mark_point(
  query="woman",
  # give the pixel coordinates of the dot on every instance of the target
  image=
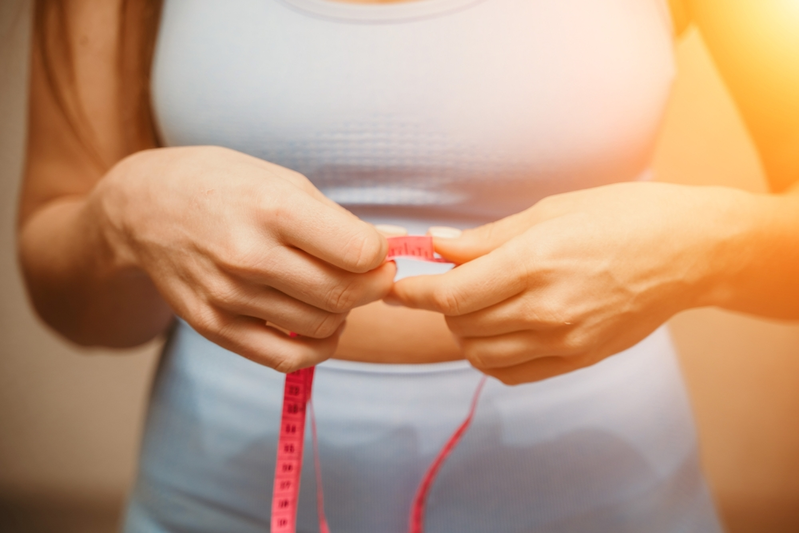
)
(513, 120)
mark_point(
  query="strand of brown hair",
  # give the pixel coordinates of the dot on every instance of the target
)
(137, 32)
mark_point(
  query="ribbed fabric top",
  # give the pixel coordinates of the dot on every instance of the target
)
(461, 111)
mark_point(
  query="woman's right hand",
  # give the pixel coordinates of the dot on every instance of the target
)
(232, 243)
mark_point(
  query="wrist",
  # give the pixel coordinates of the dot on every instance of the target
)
(108, 208)
(741, 228)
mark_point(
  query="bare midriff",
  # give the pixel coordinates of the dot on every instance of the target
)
(379, 333)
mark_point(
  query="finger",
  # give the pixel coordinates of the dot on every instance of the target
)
(307, 219)
(464, 289)
(540, 369)
(463, 246)
(337, 292)
(317, 283)
(518, 313)
(251, 338)
(512, 349)
(469, 244)
(336, 237)
(275, 307)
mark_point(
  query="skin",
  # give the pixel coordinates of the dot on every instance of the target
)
(242, 250)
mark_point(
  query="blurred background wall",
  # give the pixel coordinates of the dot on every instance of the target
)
(70, 418)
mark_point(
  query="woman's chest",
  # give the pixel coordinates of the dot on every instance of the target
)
(408, 105)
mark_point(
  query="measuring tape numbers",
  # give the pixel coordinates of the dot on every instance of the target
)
(296, 394)
(297, 402)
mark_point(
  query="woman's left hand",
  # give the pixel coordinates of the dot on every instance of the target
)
(577, 277)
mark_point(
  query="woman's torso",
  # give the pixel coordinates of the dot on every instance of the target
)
(453, 112)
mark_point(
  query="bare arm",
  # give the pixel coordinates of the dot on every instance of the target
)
(73, 278)
(230, 243)
(756, 48)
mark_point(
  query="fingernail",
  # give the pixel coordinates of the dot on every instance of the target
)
(443, 232)
(391, 231)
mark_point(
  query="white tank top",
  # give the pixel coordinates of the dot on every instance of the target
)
(433, 111)
(462, 111)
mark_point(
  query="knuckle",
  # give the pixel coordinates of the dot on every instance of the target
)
(278, 207)
(295, 176)
(546, 203)
(363, 252)
(552, 314)
(327, 325)
(302, 355)
(220, 292)
(288, 357)
(342, 297)
(475, 356)
(285, 362)
(530, 311)
(447, 300)
(521, 267)
(298, 180)
(576, 340)
(235, 254)
(283, 213)
(242, 257)
(548, 207)
(265, 264)
(206, 322)
(226, 333)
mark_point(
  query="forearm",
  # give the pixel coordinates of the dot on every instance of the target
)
(77, 284)
(757, 263)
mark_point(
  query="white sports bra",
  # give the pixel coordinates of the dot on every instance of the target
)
(461, 111)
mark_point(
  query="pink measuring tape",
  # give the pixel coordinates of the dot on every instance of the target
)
(297, 402)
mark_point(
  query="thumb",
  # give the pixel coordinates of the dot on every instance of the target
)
(464, 246)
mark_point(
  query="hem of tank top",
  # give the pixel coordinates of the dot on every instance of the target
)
(393, 368)
(408, 11)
